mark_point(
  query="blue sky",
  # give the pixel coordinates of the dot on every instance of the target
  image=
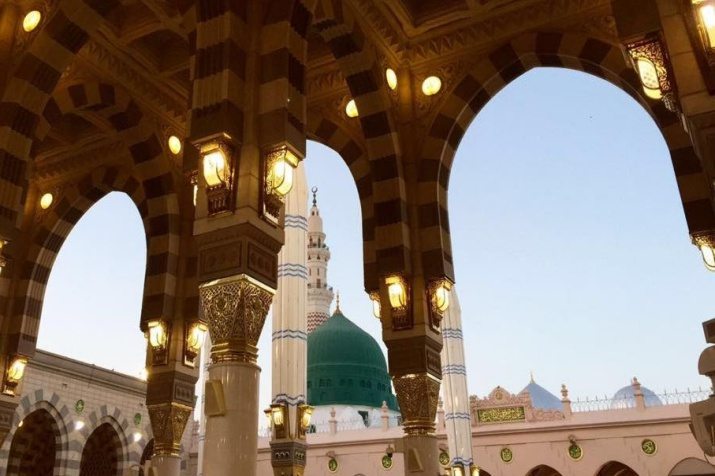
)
(571, 251)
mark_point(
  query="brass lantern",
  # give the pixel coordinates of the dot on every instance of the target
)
(304, 415)
(375, 298)
(706, 244)
(398, 298)
(650, 61)
(216, 168)
(14, 373)
(280, 164)
(158, 337)
(439, 295)
(195, 338)
(278, 415)
(705, 17)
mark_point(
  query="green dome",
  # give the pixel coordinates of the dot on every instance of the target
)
(346, 366)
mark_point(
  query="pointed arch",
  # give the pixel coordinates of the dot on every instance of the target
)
(615, 468)
(461, 104)
(543, 470)
(330, 133)
(52, 415)
(153, 185)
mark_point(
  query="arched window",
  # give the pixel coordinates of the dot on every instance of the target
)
(35, 445)
(102, 453)
(94, 293)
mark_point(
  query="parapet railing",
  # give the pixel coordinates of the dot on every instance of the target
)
(673, 397)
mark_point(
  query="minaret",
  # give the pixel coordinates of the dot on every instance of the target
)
(456, 394)
(289, 305)
(320, 295)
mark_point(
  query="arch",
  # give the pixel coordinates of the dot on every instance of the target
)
(47, 239)
(352, 150)
(146, 456)
(112, 417)
(474, 89)
(51, 415)
(543, 470)
(337, 26)
(615, 468)
(151, 166)
(692, 467)
(102, 453)
(153, 185)
(51, 50)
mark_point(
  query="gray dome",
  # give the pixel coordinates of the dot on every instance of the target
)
(626, 398)
(542, 398)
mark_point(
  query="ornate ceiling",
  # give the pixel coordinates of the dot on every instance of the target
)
(144, 48)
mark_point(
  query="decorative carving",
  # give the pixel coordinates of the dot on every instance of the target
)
(168, 421)
(236, 309)
(500, 406)
(288, 458)
(418, 395)
(501, 414)
(220, 258)
(169, 103)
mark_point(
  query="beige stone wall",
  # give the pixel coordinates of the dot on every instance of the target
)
(56, 383)
(604, 436)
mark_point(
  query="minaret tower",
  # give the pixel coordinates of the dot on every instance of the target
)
(320, 295)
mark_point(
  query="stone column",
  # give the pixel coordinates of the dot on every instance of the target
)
(236, 308)
(290, 338)
(456, 394)
(410, 329)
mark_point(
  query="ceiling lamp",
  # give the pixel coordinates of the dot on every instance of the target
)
(31, 20)
(46, 201)
(391, 78)
(174, 145)
(649, 78)
(351, 109)
(431, 85)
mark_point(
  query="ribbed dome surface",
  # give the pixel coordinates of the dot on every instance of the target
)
(626, 398)
(542, 398)
(346, 366)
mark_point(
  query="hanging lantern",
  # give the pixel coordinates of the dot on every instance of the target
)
(706, 244)
(217, 171)
(397, 291)
(650, 61)
(195, 338)
(31, 21)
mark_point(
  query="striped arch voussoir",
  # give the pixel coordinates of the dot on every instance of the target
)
(52, 404)
(350, 46)
(463, 102)
(352, 151)
(27, 91)
(116, 419)
(49, 234)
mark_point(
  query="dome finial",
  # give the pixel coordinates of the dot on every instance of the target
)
(315, 192)
(532, 376)
(337, 302)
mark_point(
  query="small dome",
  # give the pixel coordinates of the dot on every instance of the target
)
(626, 398)
(346, 366)
(542, 398)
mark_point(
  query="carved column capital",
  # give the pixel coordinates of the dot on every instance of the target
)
(418, 395)
(168, 421)
(235, 308)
